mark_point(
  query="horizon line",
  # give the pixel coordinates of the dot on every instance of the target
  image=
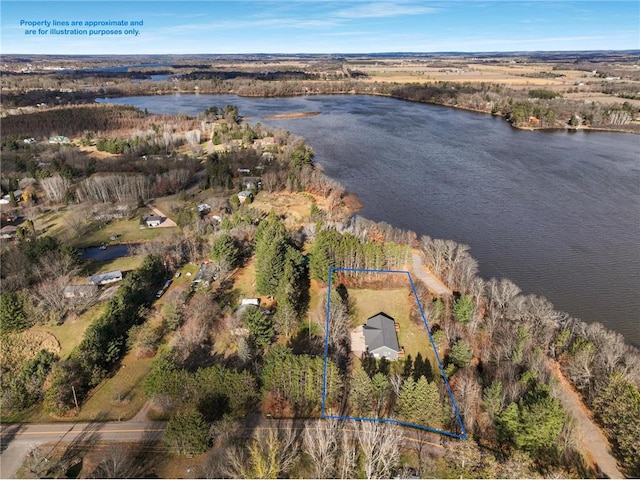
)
(444, 52)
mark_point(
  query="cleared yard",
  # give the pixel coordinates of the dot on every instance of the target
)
(396, 303)
(127, 231)
(70, 333)
(121, 396)
(245, 280)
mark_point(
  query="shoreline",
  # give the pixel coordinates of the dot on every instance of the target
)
(292, 115)
(566, 128)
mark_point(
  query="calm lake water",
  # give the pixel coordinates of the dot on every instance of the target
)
(110, 253)
(558, 213)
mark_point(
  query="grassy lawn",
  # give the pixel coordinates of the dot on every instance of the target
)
(396, 303)
(244, 280)
(124, 264)
(128, 231)
(121, 396)
(70, 333)
(51, 222)
(163, 204)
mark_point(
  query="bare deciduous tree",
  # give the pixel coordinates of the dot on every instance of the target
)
(348, 456)
(117, 462)
(321, 444)
(269, 454)
(55, 188)
(380, 446)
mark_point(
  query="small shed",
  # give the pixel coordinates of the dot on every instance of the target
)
(204, 208)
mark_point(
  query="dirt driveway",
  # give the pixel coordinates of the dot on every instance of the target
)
(167, 221)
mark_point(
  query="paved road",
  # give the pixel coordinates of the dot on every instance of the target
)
(432, 282)
(18, 440)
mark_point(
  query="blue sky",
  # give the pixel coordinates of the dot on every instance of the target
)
(305, 26)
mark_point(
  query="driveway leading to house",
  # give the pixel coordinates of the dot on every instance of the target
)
(167, 221)
(358, 345)
(432, 282)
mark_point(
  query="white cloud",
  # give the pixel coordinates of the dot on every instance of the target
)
(383, 10)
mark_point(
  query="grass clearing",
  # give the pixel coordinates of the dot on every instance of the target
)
(396, 303)
(245, 280)
(127, 230)
(121, 396)
(297, 205)
(70, 333)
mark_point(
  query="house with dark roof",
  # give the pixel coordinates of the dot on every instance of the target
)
(206, 274)
(380, 337)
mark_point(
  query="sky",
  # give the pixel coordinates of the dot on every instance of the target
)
(306, 26)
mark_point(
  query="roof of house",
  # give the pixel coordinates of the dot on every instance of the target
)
(380, 331)
(106, 277)
(244, 194)
(153, 218)
(205, 273)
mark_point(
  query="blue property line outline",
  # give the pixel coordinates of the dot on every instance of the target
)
(463, 436)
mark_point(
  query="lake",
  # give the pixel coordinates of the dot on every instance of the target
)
(558, 213)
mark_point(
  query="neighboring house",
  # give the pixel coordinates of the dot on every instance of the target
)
(205, 276)
(204, 208)
(380, 337)
(263, 142)
(244, 195)
(29, 140)
(251, 183)
(59, 139)
(10, 231)
(106, 278)
(267, 157)
(16, 194)
(107, 212)
(153, 220)
(79, 291)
